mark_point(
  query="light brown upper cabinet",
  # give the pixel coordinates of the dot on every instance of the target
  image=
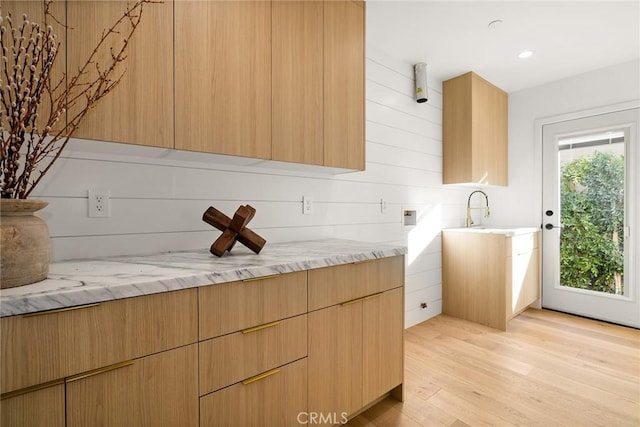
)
(34, 10)
(474, 132)
(223, 77)
(140, 109)
(297, 81)
(344, 97)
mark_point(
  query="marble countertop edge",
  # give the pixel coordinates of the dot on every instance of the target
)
(81, 282)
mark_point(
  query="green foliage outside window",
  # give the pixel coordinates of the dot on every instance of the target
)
(592, 207)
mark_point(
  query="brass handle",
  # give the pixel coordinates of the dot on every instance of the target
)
(100, 370)
(374, 295)
(261, 376)
(260, 327)
(253, 279)
(60, 310)
(31, 389)
(353, 301)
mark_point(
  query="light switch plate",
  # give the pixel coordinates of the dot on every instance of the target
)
(307, 205)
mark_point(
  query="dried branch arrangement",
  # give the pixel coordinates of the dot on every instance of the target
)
(39, 111)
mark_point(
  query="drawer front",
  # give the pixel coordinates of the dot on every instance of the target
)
(231, 358)
(40, 408)
(48, 346)
(231, 307)
(333, 285)
(276, 399)
(160, 390)
(522, 243)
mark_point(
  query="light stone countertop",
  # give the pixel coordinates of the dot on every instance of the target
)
(507, 231)
(86, 281)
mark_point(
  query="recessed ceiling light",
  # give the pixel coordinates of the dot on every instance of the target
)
(494, 24)
(525, 54)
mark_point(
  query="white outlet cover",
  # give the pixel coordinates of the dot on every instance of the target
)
(99, 203)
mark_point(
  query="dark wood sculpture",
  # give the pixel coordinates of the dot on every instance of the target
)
(233, 230)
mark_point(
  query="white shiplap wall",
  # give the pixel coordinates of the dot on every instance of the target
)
(158, 196)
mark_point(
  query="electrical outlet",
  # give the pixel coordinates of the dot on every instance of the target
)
(307, 205)
(99, 203)
(384, 206)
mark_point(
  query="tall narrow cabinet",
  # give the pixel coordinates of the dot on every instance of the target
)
(344, 81)
(297, 134)
(223, 77)
(474, 132)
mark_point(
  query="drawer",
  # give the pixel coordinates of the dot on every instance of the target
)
(334, 285)
(231, 358)
(274, 398)
(231, 307)
(51, 345)
(522, 243)
(39, 408)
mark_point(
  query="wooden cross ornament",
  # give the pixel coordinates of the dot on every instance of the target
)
(233, 230)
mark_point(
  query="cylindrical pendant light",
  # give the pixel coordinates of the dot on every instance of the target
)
(420, 70)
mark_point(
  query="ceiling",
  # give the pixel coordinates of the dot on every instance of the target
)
(453, 37)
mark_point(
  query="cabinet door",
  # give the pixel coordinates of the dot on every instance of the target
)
(158, 390)
(223, 77)
(489, 133)
(524, 285)
(35, 13)
(335, 359)
(382, 341)
(344, 84)
(140, 109)
(297, 81)
(44, 407)
(274, 398)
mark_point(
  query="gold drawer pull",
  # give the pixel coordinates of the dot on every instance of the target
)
(260, 327)
(253, 279)
(60, 310)
(30, 389)
(100, 370)
(353, 301)
(261, 376)
(374, 295)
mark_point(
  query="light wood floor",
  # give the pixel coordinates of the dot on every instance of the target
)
(548, 369)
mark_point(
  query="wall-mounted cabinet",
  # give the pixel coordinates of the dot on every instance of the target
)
(297, 82)
(223, 77)
(474, 132)
(344, 144)
(275, 80)
(140, 108)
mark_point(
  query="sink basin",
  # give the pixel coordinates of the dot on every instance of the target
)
(507, 231)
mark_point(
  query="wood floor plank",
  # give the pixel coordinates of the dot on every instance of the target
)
(548, 369)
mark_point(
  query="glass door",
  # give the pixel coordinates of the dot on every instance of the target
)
(590, 217)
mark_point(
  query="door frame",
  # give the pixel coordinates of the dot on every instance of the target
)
(538, 166)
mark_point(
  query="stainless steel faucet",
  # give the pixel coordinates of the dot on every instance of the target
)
(486, 208)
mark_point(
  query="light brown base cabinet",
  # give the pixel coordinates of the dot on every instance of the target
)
(356, 342)
(246, 353)
(489, 278)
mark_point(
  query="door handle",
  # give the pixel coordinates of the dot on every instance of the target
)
(551, 226)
